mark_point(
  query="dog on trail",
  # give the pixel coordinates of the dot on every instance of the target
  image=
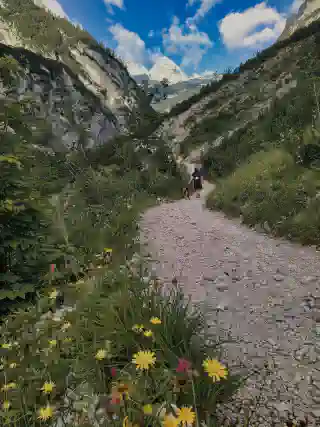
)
(186, 193)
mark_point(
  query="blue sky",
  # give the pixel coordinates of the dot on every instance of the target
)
(198, 35)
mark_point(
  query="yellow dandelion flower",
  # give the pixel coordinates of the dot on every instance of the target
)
(108, 250)
(186, 416)
(148, 333)
(9, 386)
(138, 328)
(6, 346)
(155, 321)
(48, 387)
(6, 405)
(53, 294)
(215, 369)
(66, 340)
(53, 343)
(45, 413)
(147, 409)
(144, 359)
(170, 421)
(66, 326)
(101, 354)
(13, 365)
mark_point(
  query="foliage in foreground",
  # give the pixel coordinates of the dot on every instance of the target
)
(271, 190)
(126, 355)
(63, 208)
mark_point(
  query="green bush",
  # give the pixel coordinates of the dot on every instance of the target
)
(82, 366)
(271, 188)
(55, 207)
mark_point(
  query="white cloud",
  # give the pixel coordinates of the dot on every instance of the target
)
(151, 33)
(116, 3)
(204, 8)
(296, 6)
(131, 48)
(238, 29)
(53, 5)
(186, 40)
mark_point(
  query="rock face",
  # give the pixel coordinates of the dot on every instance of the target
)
(308, 12)
(62, 100)
(75, 80)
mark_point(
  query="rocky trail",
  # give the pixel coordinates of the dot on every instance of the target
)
(264, 291)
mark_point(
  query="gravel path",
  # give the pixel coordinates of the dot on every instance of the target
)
(265, 291)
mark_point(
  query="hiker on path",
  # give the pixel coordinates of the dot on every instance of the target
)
(197, 182)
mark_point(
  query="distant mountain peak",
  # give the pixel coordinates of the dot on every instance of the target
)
(165, 68)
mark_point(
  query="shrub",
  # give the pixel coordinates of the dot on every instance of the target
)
(271, 188)
(82, 366)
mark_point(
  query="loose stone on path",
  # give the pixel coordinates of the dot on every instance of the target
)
(265, 292)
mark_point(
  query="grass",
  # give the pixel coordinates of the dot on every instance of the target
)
(87, 356)
(270, 188)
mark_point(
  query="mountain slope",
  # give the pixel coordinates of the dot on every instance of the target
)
(308, 12)
(257, 133)
(23, 24)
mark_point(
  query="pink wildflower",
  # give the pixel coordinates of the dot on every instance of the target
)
(113, 372)
(183, 365)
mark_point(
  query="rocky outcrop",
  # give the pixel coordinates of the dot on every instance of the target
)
(308, 12)
(70, 104)
(74, 79)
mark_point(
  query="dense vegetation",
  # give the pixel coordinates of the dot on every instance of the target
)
(270, 169)
(121, 352)
(42, 30)
(57, 207)
(127, 355)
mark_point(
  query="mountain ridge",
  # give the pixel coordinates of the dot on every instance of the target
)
(94, 65)
(308, 12)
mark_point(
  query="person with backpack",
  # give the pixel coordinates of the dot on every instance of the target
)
(197, 182)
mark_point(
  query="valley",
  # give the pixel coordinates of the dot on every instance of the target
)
(99, 252)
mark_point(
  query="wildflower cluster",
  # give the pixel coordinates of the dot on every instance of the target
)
(126, 357)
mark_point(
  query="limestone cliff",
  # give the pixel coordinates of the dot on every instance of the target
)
(82, 80)
(308, 12)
